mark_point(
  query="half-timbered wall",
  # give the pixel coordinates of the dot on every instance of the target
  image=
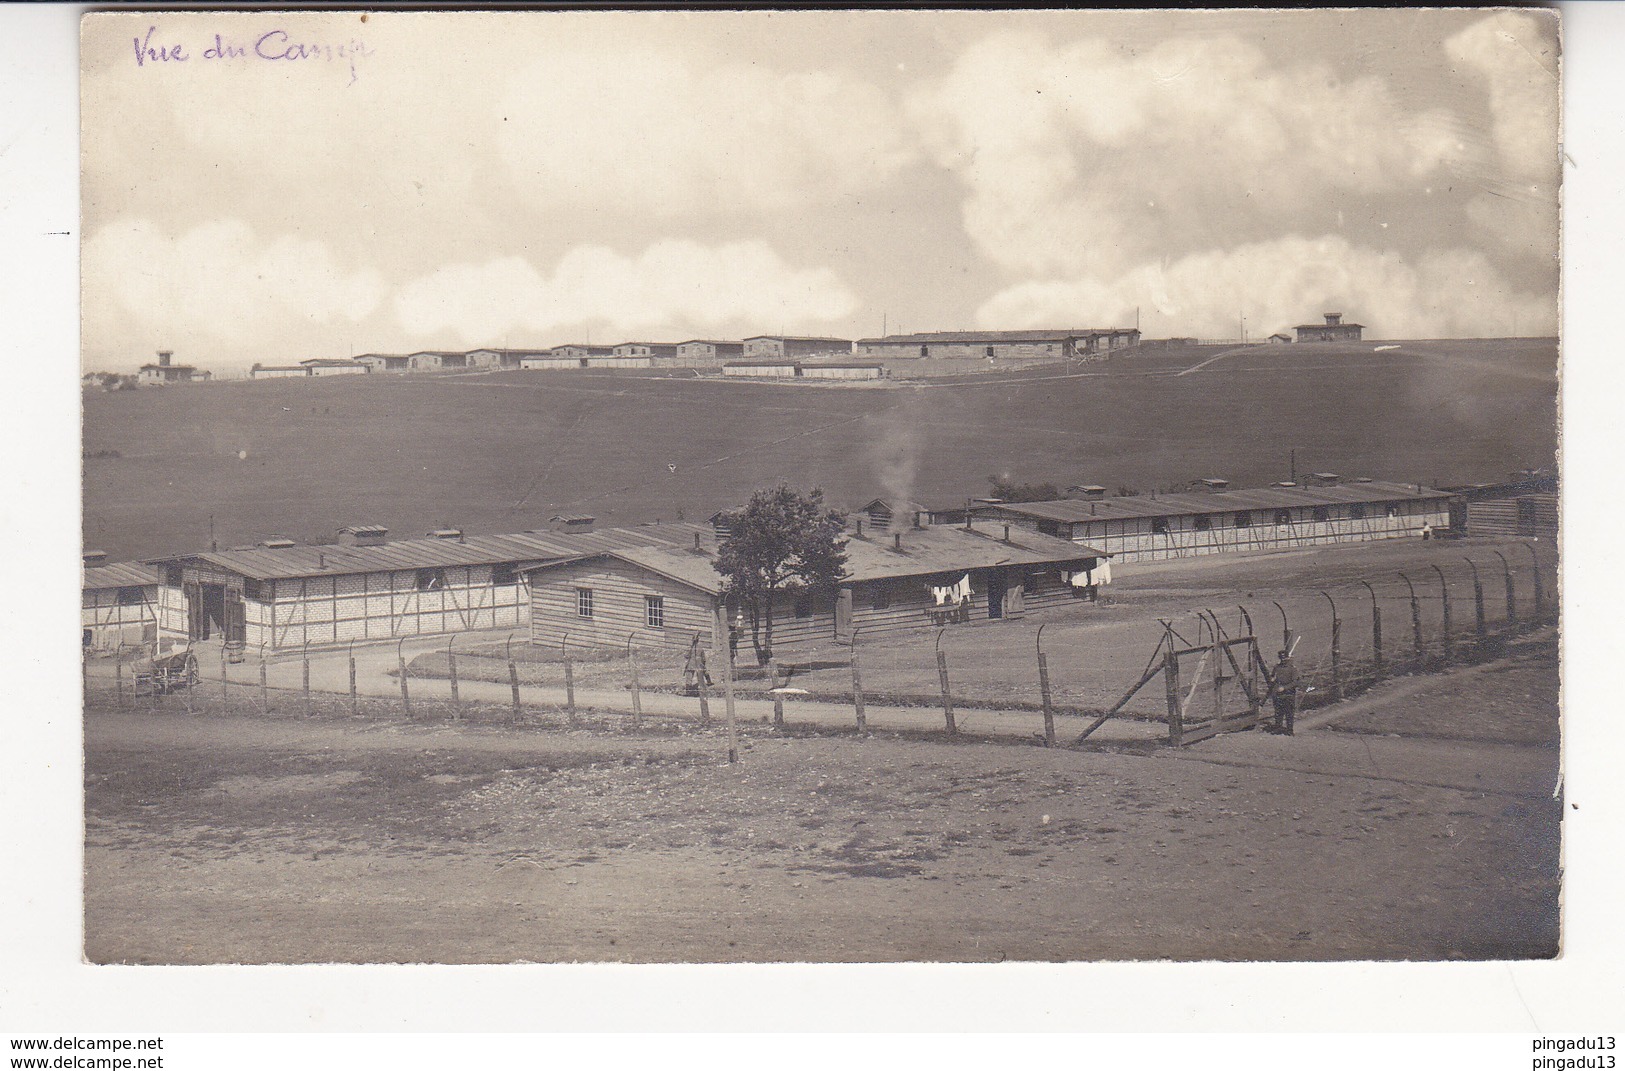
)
(120, 617)
(358, 607)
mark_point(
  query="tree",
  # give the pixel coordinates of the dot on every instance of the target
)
(1007, 490)
(782, 541)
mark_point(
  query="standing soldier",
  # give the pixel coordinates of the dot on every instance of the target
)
(1284, 685)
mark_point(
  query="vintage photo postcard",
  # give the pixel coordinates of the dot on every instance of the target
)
(832, 486)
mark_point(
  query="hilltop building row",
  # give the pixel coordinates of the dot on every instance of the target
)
(769, 356)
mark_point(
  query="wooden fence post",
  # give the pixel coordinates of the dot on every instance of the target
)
(1337, 648)
(406, 692)
(637, 691)
(355, 695)
(118, 682)
(1416, 619)
(225, 697)
(702, 680)
(947, 696)
(857, 691)
(570, 691)
(1044, 696)
(1512, 601)
(265, 693)
(1176, 718)
(513, 679)
(1376, 630)
(778, 696)
(1043, 689)
(1480, 628)
(306, 677)
(1540, 594)
(451, 671)
(728, 706)
(1444, 596)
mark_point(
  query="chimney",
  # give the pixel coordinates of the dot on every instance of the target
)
(447, 533)
(163, 358)
(277, 544)
(571, 525)
(967, 514)
(859, 530)
(897, 542)
(1007, 533)
(1214, 484)
(919, 521)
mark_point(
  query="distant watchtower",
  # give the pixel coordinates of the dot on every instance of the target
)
(1333, 330)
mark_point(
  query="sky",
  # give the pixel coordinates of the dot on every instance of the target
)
(315, 185)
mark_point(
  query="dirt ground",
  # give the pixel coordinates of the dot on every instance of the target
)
(248, 839)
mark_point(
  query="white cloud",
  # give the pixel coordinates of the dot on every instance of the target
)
(1516, 56)
(675, 286)
(1287, 281)
(676, 133)
(1087, 155)
(219, 281)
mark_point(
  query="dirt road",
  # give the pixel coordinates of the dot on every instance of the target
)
(247, 839)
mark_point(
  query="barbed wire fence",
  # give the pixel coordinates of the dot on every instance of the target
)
(1071, 670)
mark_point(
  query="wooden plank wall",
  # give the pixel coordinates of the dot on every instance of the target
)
(1131, 539)
(618, 607)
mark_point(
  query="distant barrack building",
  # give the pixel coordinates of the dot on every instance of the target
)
(386, 362)
(166, 371)
(708, 351)
(1333, 330)
(1322, 509)
(774, 346)
(1054, 345)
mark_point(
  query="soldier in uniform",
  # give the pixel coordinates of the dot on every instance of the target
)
(1284, 684)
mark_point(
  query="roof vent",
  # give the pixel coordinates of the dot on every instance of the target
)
(1326, 479)
(95, 557)
(1213, 483)
(1087, 490)
(1284, 483)
(277, 544)
(363, 535)
(447, 533)
(571, 525)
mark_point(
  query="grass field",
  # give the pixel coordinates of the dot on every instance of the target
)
(504, 452)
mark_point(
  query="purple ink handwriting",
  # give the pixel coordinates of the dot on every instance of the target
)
(271, 46)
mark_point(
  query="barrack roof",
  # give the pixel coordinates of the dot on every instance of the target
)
(263, 563)
(118, 575)
(931, 551)
(1205, 502)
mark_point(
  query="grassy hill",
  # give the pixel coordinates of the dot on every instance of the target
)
(503, 452)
